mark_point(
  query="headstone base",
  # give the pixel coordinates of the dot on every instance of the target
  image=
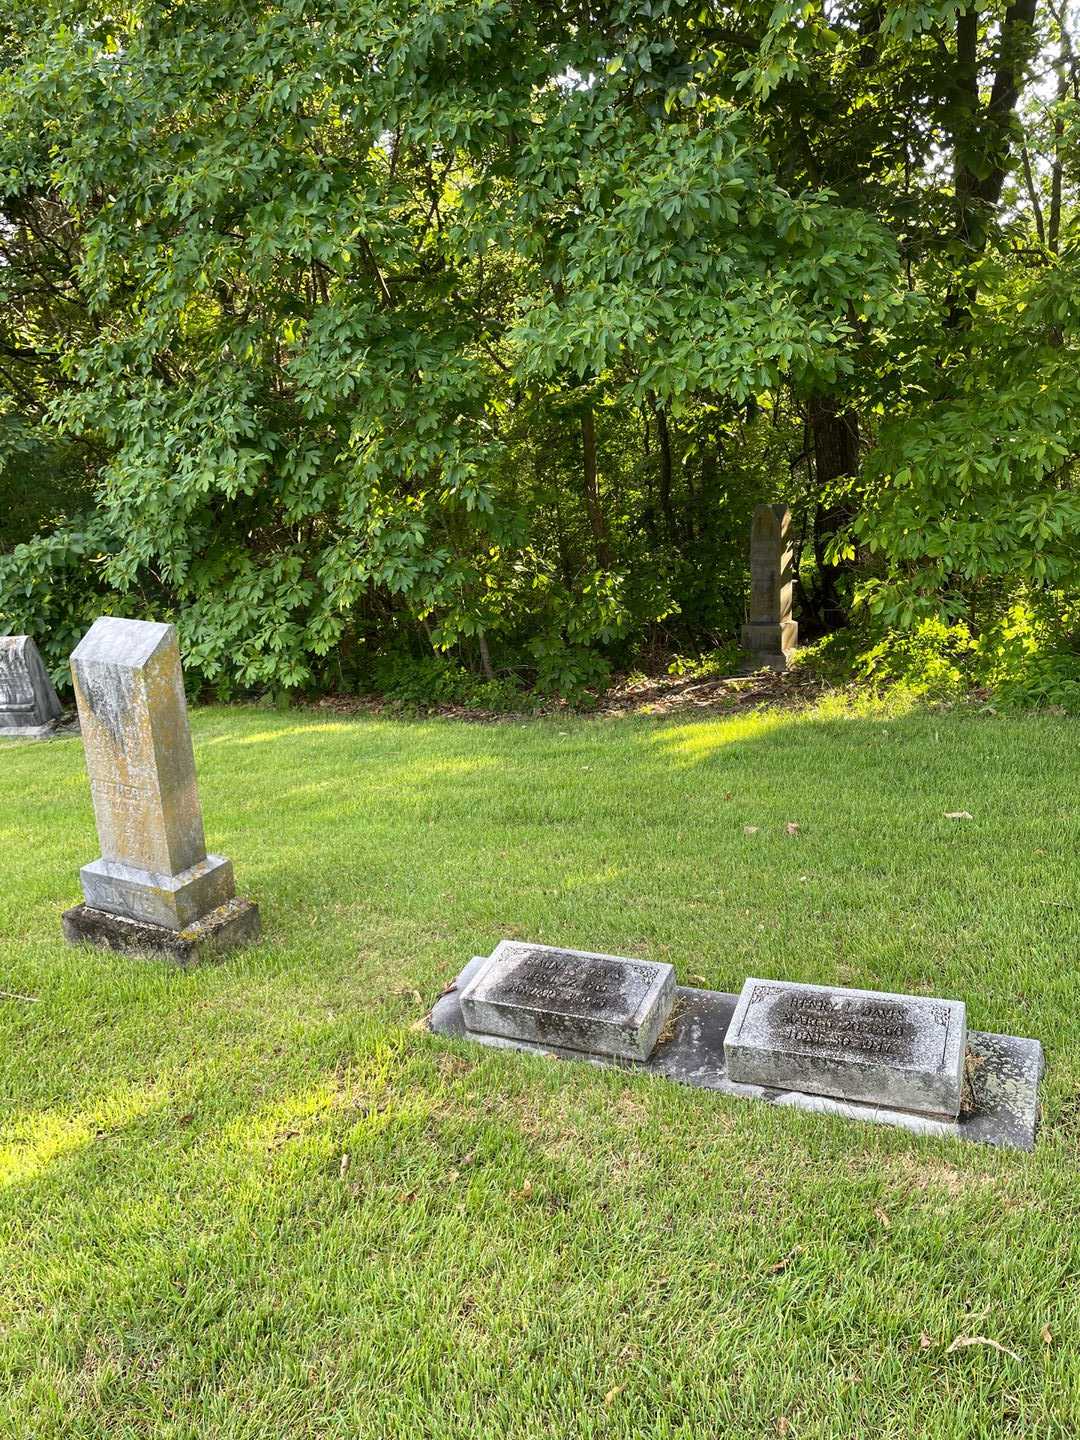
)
(231, 925)
(770, 643)
(174, 901)
(27, 732)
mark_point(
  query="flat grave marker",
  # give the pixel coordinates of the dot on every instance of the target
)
(887, 1059)
(900, 1051)
(574, 999)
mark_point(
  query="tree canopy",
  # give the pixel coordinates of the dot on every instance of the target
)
(348, 330)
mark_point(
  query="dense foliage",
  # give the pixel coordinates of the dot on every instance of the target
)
(349, 331)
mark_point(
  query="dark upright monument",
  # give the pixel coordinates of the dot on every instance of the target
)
(770, 634)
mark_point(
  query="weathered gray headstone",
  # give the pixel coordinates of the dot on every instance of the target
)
(770, 633)
(154, 871)
(603, 1004)
(899, 1051)
(29, 706)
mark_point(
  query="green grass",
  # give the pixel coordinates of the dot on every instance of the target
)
(518, 1247)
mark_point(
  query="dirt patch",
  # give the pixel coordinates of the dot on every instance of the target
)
(642, 695)
(926, 1174)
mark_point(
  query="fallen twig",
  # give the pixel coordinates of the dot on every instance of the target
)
(963, 1341)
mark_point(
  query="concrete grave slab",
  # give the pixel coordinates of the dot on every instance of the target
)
(1002, 1106)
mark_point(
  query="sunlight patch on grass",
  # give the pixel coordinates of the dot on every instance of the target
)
(263, 737)
(33, 1142)
(692, 743)
(591, 880)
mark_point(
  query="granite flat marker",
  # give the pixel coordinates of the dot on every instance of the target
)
(1000, 1100)
(899, 1051)
(577, 999)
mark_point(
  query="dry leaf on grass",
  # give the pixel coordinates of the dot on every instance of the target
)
(962, 1342)
(924, 1341)
(783, 1426)
(792, 827)
(959, 815)
(782, 1265)
(883, 1217)
(1048, 1338)
(343, 1169)
(613, 1393)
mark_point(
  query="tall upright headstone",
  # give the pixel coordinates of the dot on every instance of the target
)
(770, 633)
(154, 885)
(29, 705)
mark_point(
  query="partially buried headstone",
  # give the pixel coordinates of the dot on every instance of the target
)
(770, 633)
(154, 886)
(29, 705)
(902, 1052)
(570, 999)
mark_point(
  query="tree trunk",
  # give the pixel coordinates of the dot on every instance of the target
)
(485, 656)
(592, 490)
(981, 134)
(836, 457)
(666, 506)
(663, 432)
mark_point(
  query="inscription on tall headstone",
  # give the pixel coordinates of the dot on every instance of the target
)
(900, 1051)
(770, 633)
(154, 868)
(29, 706)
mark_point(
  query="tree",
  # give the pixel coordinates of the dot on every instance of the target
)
(478, 326)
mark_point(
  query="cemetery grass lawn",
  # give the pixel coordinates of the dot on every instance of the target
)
(256, 1200)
